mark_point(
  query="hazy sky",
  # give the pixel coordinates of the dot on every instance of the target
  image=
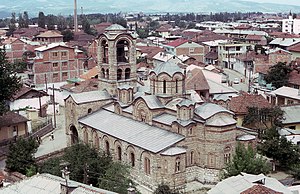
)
(287, 2)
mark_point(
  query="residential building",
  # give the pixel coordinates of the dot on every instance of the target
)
(185, 47)
(56, 62)
(256, 39)
(291, 116)
(284, 96)
(164, 30)
(161, 133)
(228, 52)
(12, 125)
(291, 25)
(49, 37)
(294, 50)
(14, 49)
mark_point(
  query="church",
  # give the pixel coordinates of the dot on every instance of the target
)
(158, 130)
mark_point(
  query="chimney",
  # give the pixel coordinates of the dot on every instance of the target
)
(75, 16)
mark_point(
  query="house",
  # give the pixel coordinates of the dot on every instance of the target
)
(294, 50)
(48, 37)
(14, 48)
(162, 133)
(284, 43)
(48, 183)
(249, 184)
(240, 104)
(13, 125)
(28, 33)
(256, 39)
(294, 79)
(291, 116)
(185, 47)
(291, 25)
(28, 97)
(56, 62)
(279, 55)
(284, 96)
(164, 30)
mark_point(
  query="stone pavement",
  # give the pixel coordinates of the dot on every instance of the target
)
(60, 139)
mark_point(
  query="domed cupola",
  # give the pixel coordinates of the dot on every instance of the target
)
(167, 79)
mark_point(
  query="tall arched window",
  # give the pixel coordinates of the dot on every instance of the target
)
(107, 147)
(102, 73)
(177, 165)
(132, 159)
(127, 73)
(119, 153)
(176, 86)
(119, 74)
(96, 140)
(164, 86)
(107, 74)
(192, 157)
(104, 47)
(122, 45)
(147, 165)
(85, 136)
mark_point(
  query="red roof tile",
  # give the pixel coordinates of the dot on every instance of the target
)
(240, 104)
(177, 42)
(294, 78)
(11, 118)
(260, 189)
(294, 48)
(196, 81)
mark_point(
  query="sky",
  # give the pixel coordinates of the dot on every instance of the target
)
(287, 2)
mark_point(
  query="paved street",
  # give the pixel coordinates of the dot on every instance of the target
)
(60, 140)
(241, 86)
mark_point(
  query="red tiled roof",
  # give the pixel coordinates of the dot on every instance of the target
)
(262, 68)
(283, 35)
(164, 28)
(212, 55)
(177, 42)
(294, 48)
(11, 118)
(240, 104)
(24, 90)
(260, 189)
(151, 51)
(294, 78)
(84, 86)
(243, 26)
(253, 37)
(196, 81)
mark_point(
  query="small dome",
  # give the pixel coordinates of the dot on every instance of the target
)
(186, 102)
(167, 67)
(115, 27)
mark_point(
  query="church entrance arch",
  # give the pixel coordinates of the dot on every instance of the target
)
(74, 135)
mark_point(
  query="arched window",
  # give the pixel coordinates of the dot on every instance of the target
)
(85, 136)
(127, 73)
(164, 86)
(89, 110)
(104, 47)
(132, 159)
(119, 74)
(147, 165)
(102, 73)
(177, 165)
(107, 74)
(122, 45)
(119, 153)
(192, 157)
(176, 86)
(107, 147)
(96, 140)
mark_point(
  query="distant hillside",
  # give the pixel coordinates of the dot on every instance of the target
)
(105, 6)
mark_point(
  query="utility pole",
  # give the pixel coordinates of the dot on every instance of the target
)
(46, 83)
(75, 16)
(54, 111)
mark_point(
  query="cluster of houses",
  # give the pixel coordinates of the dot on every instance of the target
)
(176, 118)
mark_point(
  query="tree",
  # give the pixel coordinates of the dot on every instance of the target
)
(20, 156)
(279, 148)
(10, 83)
(164, 189)
(51, 21)
(21, 21)
(67, 35)
(12, 24)
(90, 167)
(61, 23)
(246, 160)
(41, 20)
(278, 75)
(26, 19)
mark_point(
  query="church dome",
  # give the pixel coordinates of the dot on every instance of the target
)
(115, 27)
(167, 67)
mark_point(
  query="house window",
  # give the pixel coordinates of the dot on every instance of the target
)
(64, 74)
(290, 102)
(226, 158)
(238, 48)
(132, 159)
(177, 165)
(64, 54)
(64, 64)
(192, 50)
(147, 165)
(119, 153)
(55, 64)
(107, 147)
(55, 75)
(54, 54)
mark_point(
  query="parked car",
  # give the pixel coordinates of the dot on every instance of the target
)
(236, 81)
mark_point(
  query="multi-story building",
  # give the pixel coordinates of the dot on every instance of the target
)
(14, 49)
(228, 52)
(56, 62)
(161, 133)
(48, 37)
(291, 25)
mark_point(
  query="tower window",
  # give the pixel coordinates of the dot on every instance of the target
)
(119, 74)
(127, 73)
(121, 55)
(176, 86)
(164, 86)
(107, 74)
(102, 73)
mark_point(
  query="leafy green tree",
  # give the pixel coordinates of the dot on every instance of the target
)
(278, 75)
(9, 81)
(12, 24)
(279, 148)
(143, 33)
(164, 189)
(246, 160)
(41, 20)
(67, 35)
(26, 19)
(51, 21)
(21, 21)
(20, 157)
(61, 23)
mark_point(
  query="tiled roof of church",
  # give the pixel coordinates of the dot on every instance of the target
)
(90, 96)
(207, 110)
(167, 67)
(137, 133)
